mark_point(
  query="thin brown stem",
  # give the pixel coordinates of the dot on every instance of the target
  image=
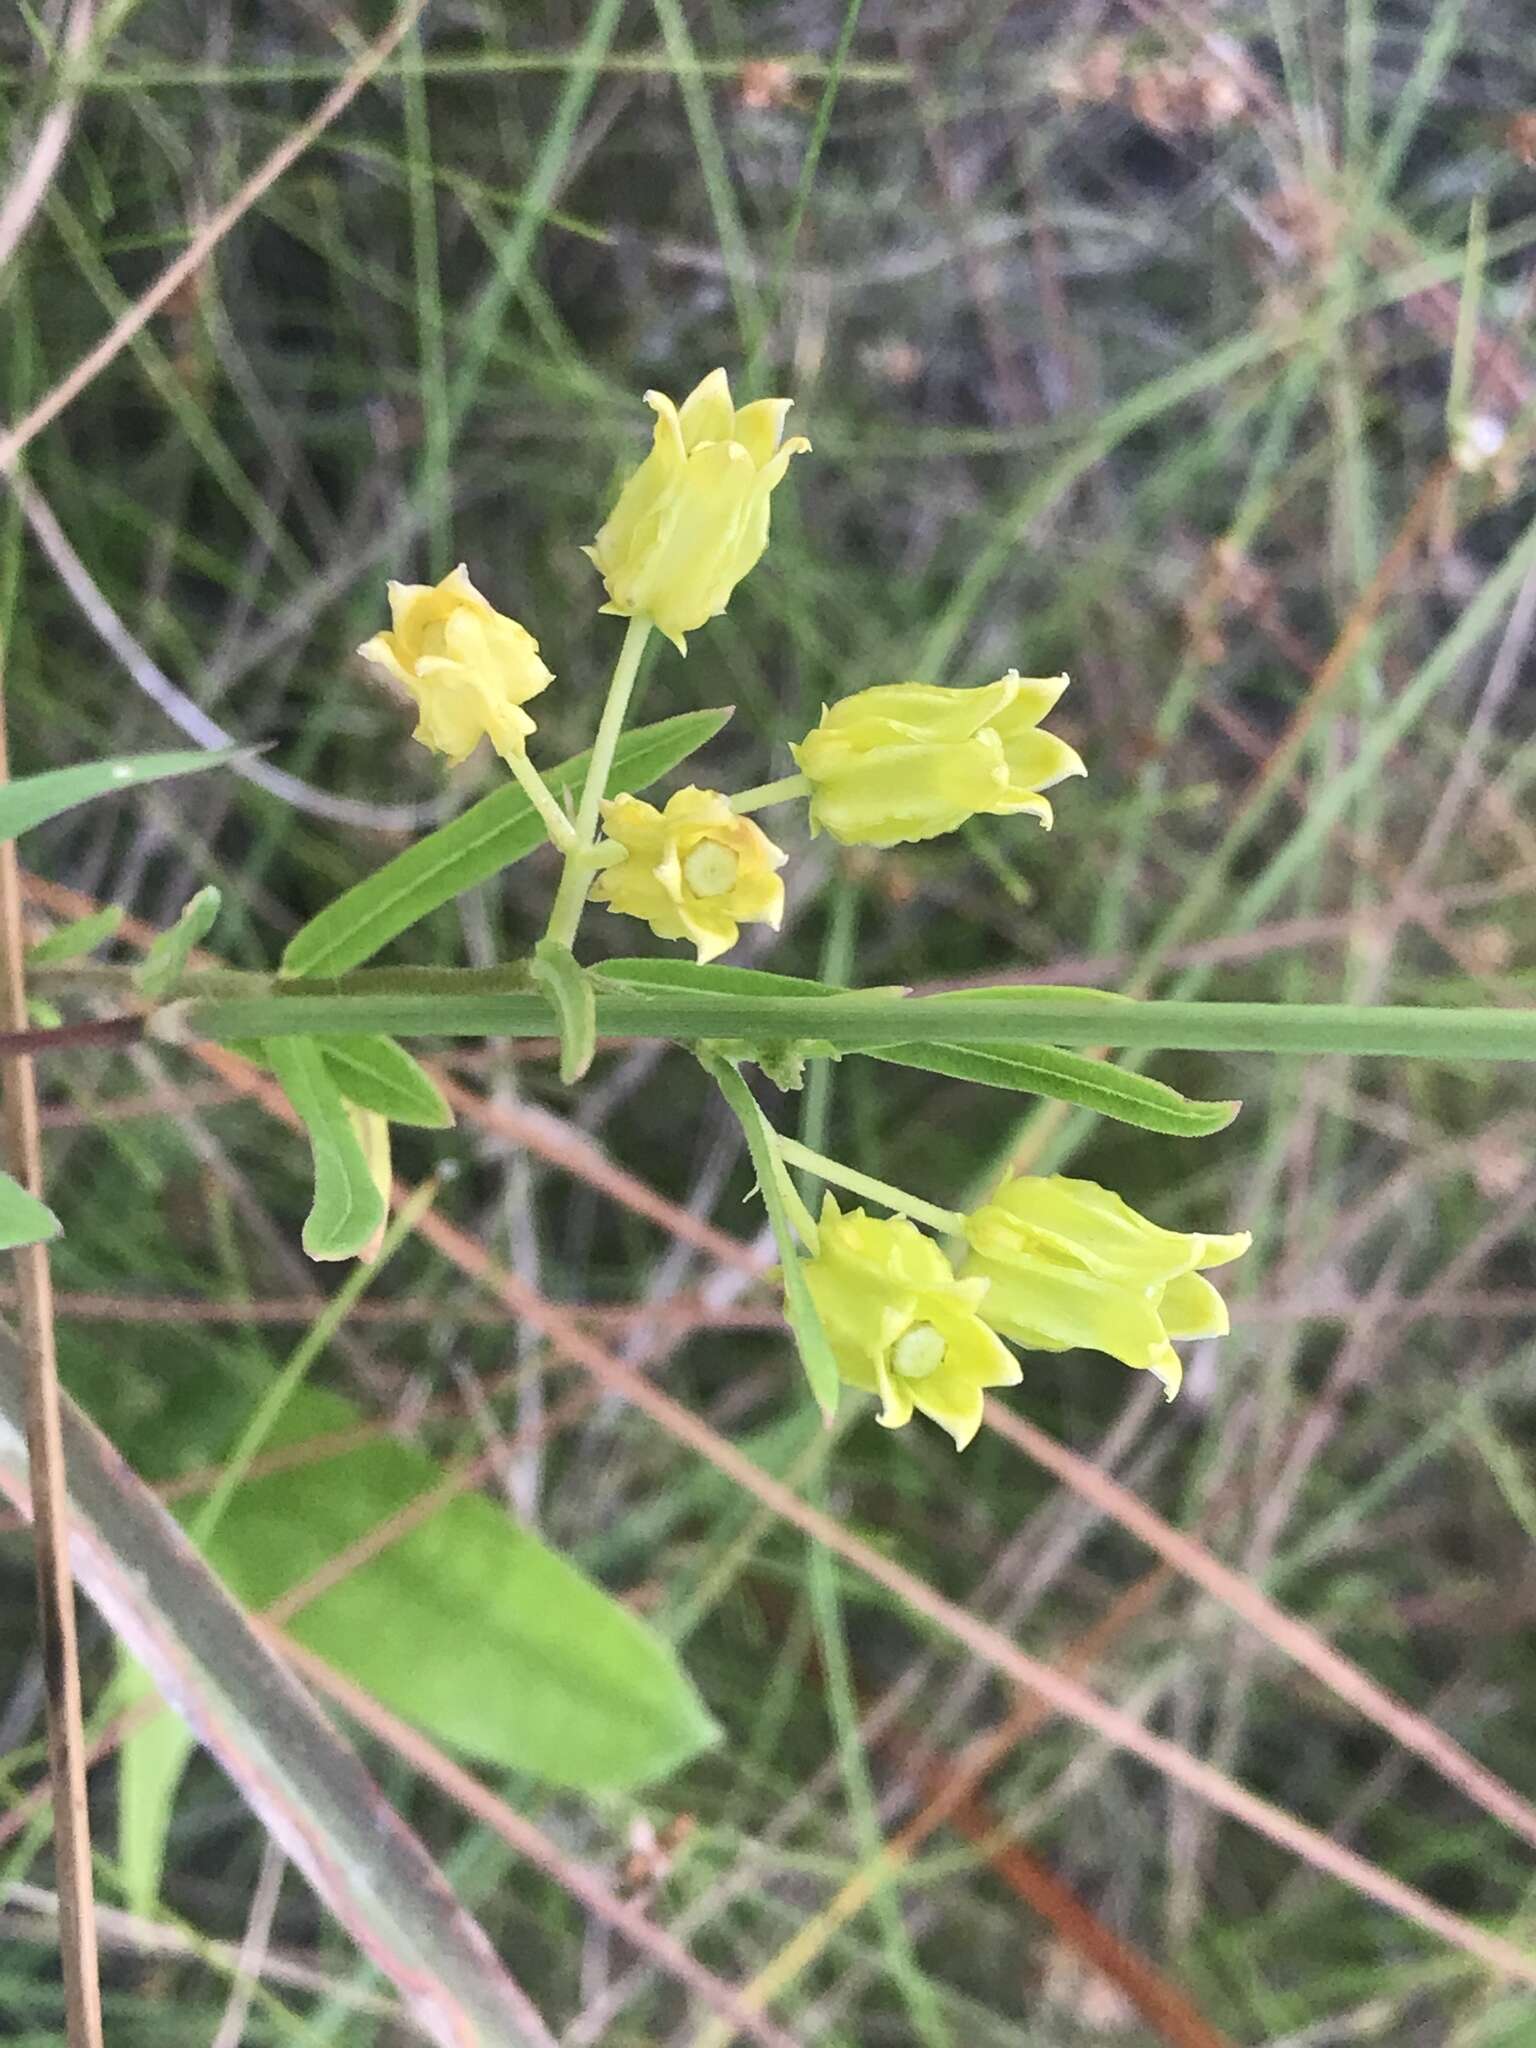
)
(45, 1450)
(27, 1041)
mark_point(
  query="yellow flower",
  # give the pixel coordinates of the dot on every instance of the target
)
(693, 519)
(908, 761)
(1071, 1265)
(693, 871)
(901, 1325)
(468, 668)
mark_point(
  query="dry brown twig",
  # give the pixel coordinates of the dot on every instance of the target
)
(202, 245)
(45, 1449)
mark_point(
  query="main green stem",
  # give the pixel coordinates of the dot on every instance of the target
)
(502, 1002)
(576, 875)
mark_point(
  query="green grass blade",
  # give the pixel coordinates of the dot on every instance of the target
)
(35, 798)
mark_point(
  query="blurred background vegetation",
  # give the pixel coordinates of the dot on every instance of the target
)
(1157, 341)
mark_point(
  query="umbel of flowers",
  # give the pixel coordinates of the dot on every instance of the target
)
(1048, 1263)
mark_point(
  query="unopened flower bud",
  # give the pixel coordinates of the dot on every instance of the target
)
(693, 519)
(1070, 1265)
(908, 761)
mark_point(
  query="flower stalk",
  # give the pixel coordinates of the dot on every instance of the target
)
(765, 793)
(576, 875)
(948, 1222)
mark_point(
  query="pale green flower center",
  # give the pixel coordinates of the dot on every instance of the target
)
(711, 869)
(434, 638)
(917, 1352)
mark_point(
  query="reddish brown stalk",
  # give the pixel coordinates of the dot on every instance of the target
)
(45, 1452)
(26, 1041)
(461, 1786)
(953, 1789)
(951, 1785)
(679, 1312)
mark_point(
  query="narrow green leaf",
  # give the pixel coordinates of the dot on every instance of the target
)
(73, 941)
(35, 798)
(701, 978)
(378, 1073)
(805, 1323)
(569, 989)
(502, 828)
(166, 961)
(708, 978)
(23, 1218)
(1069, 1077)
(1017, 992)
(347, 1208)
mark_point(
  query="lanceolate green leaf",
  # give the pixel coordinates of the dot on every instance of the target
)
(468, 1624)
(376, 1073)
(23, 1218)
(712, 979)
(347, 1208)
(491, 835)
(286, 1758)
(36, 798)
(1070, 1077)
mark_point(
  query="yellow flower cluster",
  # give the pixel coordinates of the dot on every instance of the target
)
(692, 871)
(889, 765)
(1049, 1263)
(1054, 1265)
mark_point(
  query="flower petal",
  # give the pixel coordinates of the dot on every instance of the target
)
(707, 413)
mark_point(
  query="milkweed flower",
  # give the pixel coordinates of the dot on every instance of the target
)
(693, 871)
(901, 1325)
(1069, 1264)
(908, 761)
(693, 519)
(468, 668)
